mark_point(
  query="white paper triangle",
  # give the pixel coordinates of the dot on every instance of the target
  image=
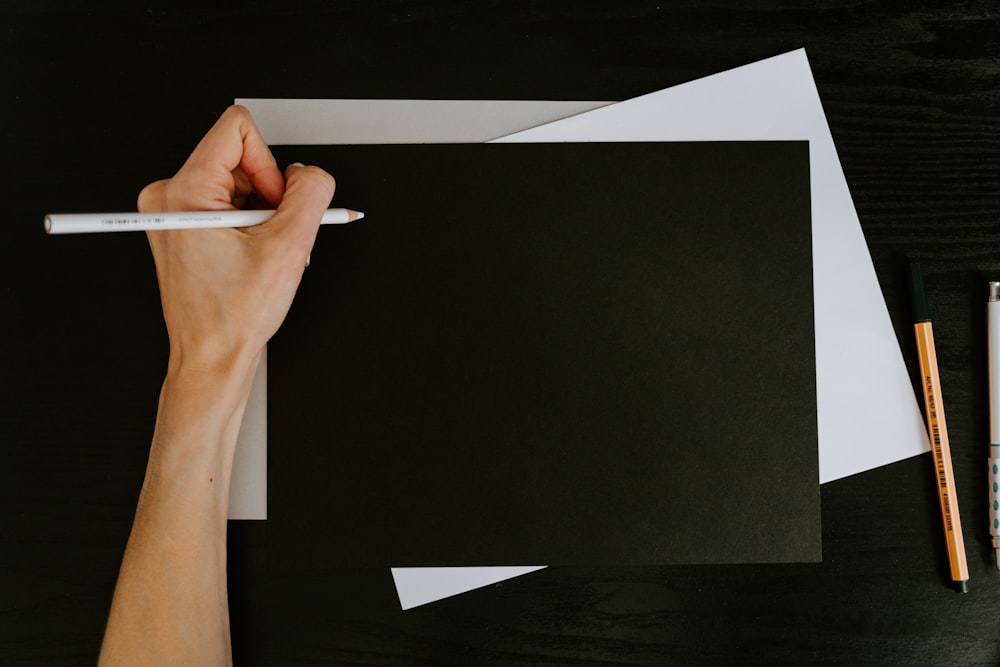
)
(416, 586)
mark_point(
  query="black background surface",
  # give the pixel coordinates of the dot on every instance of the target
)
(570, 354)
(99, 100)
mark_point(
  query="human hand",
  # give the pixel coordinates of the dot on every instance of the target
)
(225, 292)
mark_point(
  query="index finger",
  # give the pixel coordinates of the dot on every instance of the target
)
(234, 141)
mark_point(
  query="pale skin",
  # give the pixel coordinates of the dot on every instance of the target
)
(224, 294)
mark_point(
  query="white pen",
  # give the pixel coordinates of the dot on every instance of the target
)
(993, 354)
(84, 223)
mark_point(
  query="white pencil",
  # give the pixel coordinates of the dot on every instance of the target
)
(84, 223)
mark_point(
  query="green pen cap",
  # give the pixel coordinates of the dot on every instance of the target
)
(918, 296)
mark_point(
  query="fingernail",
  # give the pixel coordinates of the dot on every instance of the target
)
(308, 258)
(297, 164)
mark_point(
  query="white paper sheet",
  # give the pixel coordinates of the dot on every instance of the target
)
(248, 484)
(867, 413)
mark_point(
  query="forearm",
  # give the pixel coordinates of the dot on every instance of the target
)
(170, 604)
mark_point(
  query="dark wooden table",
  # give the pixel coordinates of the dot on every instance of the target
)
(101, 97)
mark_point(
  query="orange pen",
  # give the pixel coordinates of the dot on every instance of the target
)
(934, 409)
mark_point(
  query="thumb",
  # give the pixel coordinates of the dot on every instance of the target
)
(308, 192)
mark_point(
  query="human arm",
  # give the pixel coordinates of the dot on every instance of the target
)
(224, 293)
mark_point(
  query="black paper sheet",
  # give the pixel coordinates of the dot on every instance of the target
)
(558, 354)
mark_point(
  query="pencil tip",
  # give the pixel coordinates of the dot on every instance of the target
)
(360, 215)
(962, 586)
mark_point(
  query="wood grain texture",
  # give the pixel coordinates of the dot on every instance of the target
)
(102, 97)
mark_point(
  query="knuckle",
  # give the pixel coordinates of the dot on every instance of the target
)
(317, 178)
(323, 180)
(151, 197)
(329, 183)
(238, 111)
